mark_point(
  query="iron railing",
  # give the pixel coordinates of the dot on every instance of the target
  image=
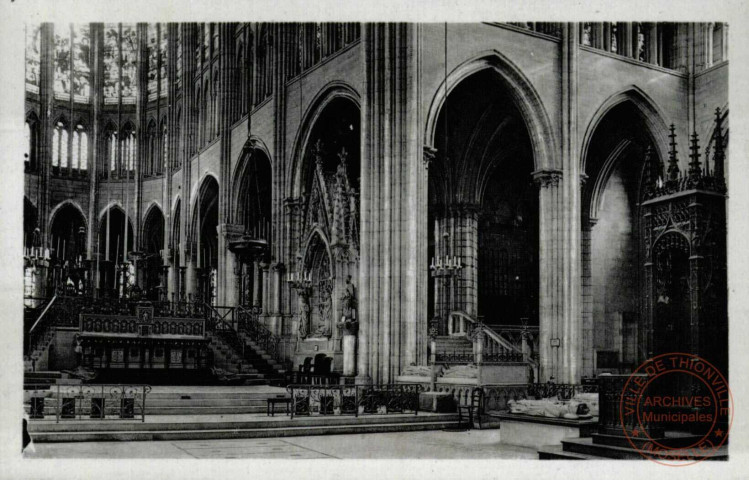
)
(249, 323)
(78, 402)
(561, 391)
(354, 399)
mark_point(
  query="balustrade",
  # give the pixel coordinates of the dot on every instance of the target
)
(102, 402)
(354, 399)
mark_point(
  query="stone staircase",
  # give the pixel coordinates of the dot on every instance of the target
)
(257, 367)
(35, 355)
(603, 446)
(231, 427)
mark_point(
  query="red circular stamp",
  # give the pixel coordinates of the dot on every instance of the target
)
(676, 409)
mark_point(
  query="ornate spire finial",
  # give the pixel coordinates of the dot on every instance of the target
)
(695, 167)
(673, 162)
(719, 157)
(649, 168)
(317, 151)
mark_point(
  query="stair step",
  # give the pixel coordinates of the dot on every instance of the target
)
(555, 452)
(281, 429)
(41, 374)
(587, 447)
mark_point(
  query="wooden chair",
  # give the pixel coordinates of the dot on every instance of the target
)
(304, 370)
(474, 408)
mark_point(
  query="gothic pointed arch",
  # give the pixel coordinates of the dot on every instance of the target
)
(648, 112)
(524, 95)
(329, 93)
(252, 185)
(483, 212)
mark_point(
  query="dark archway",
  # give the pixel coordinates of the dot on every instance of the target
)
(612, 252)
(254, 210)
(336, 129)
(152, 244)
(205, 221)
(112, 253)
(176, 247)
(483, 206)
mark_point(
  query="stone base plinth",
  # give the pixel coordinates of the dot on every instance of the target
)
(441, 402)
(536, 432)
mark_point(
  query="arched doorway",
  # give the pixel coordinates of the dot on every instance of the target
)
(205, 221)
(483, 208)
(254, 211)
(325, 227)
(116, 277)
(612, 252)
(68, 250)
(153, 264)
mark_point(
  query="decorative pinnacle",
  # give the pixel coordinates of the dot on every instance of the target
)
(673, 162)
(695, 168)
(719, 156)
(317, 151)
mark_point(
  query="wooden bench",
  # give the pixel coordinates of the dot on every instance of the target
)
(272, 401)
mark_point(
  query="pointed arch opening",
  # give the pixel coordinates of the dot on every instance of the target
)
(116, 272)
(616, 160)
(154, 285)
(205, 238)
(483, 207)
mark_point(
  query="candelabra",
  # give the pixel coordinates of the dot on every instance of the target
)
(302, 283)
(446, 266)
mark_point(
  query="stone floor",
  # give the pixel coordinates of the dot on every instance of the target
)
(472, 444)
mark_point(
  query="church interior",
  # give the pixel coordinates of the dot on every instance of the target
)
(372, 218)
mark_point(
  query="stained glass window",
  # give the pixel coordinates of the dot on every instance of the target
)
(112, 149)
(163, 58)
(129, 62)
(63, 148)
(56, 147)
(153, 60)
(111, 69)
(81, 61)
(179, 57)
(33, 46)
(27, 137)
(62, 62)
(84, 151)
(80, 149)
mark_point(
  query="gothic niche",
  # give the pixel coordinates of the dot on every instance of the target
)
(327, 219)
(317, 305)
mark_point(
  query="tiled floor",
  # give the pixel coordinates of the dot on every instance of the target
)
(477, 444)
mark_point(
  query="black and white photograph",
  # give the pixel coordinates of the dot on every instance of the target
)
(252, 239)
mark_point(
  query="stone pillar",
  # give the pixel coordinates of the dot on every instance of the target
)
(550, 280)
(390, 150)
(571, 266)
(226, 233)
(44, 159)
(97, 72)
(587, 298)
(226, 98)
(349, 355)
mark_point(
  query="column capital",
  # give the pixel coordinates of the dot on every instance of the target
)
(547, 177)
(583, 179)
(430, 153)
